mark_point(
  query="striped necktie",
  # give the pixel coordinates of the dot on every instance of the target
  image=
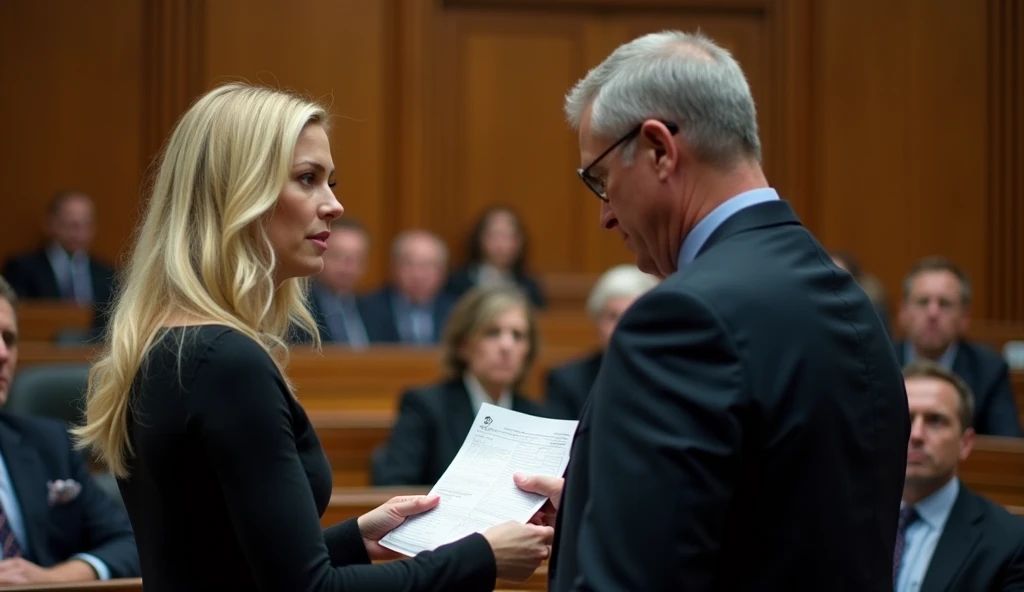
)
(907, 517)
(11, 547)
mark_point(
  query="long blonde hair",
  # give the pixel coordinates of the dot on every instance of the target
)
(203, 250)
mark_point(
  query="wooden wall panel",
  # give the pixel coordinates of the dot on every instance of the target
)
(895, 127)
(500, 73)
(1005, 238)
(900, 124)
(71, 112)
(338, 52)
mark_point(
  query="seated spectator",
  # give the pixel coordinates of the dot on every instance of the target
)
(489, 344)
(869, 283)
(497, 254)
(333, 301)
(63, 269)
(569, 385)
(56, 523)
(949, 538)
(412, 309)
(935, 314)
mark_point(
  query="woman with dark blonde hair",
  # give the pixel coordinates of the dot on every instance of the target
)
(220, 469)
(489, 344)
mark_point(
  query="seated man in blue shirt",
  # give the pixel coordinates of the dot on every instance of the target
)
(948, 537)
(56, 523)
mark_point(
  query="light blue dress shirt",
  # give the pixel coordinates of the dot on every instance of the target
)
(945, 360)
(703, 230)
(16, 520)
(923, 535)
(72, 273)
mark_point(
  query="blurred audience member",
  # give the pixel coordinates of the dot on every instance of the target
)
(333, 301)
(489, 344)
(413, 308)
(63, 269)
(869, 283)
(56, 523)
(497, 254)
(568, 385)
(935, 314)
(949, 538)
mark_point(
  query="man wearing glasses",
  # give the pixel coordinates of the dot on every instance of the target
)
(748, 427)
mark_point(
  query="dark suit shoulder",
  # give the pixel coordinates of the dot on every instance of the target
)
(524, 404)
(39, 430)
(998, 520)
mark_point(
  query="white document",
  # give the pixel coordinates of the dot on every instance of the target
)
(476, 490)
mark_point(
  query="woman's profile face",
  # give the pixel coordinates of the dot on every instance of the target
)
(500, 241)
(497, 354)
(305, 207)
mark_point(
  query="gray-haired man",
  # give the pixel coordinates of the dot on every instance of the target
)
(748, 427)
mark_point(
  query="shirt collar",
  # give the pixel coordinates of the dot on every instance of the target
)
(935, 508)
(478, 396)
(945, 360)
(702, 231)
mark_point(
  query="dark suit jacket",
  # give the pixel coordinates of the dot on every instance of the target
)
(378, 310)
(569, 385)
(463, 281)
(995, 407)
(316, 308)
(981, 549)
(32, 278)
(747, 431)
(37, 450)
(432, 423)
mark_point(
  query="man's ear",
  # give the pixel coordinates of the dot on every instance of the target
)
(660, 147)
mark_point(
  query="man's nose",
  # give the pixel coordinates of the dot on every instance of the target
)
(917, 428)
(5, 353)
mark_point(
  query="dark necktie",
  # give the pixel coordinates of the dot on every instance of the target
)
(907, 517)
(11, 548)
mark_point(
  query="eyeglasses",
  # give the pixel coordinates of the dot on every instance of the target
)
(598, 185)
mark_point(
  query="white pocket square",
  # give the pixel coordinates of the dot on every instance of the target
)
(62, 491)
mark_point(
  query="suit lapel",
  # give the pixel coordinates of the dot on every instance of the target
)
(962, 366)
(460, 413)
(24, 468)
(956, 542)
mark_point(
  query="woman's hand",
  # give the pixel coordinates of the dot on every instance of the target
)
(376, 523)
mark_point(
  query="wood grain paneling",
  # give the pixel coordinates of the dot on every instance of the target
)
(893, 126)
(900, 140)
(338, 52)
(500, 73)
(72, 105)
(1005, 238)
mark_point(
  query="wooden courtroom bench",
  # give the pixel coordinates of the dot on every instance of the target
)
(339, 379)
(43, 320)
(115, 585)
(995, 469)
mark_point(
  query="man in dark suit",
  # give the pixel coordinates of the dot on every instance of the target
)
(569, 385)
(413, 308)
(64, 269)
(748, 427)
(949, 539)
(334, 304)
(56, 523)
(935, 314)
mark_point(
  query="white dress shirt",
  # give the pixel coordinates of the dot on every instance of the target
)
(478, 396)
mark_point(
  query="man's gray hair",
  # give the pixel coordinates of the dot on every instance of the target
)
(620, 281)
(683, 78)
(398, 244)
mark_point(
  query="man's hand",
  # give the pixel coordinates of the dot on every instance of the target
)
(376, 523)
(549, 487)
(23, 571)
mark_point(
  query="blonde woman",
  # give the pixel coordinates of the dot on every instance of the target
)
(222, 474)
(489, 343)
